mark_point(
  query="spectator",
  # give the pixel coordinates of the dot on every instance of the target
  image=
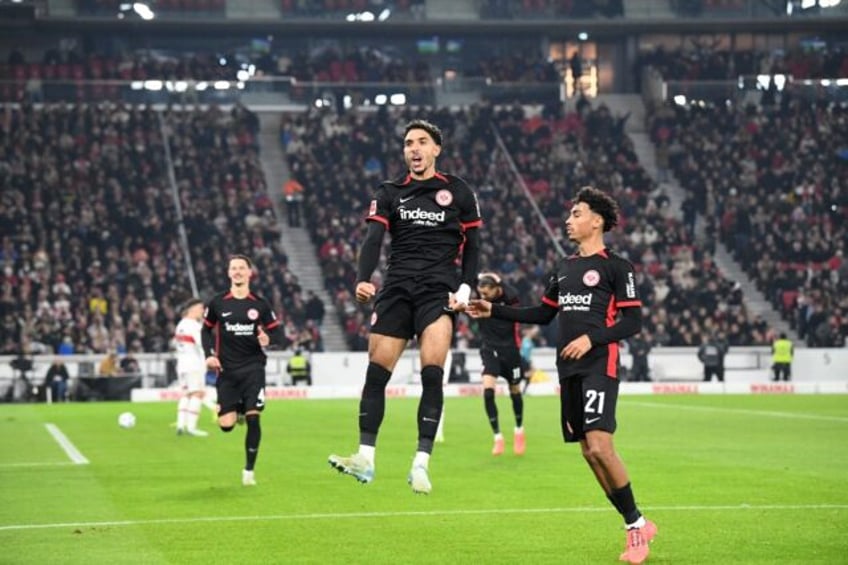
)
(129, 365)
(56, 380)
(711, 354)
(109, 366)
(782, 352)
(293, 192)
(299, 368)
(315, 310)
(640, 348)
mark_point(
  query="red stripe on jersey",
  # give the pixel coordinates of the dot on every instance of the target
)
(208, 324)
(549, 302)
(612, 348)
(184, 338)
(603, 253)
(469, 225)
(441, 177)
(273, 325)
(380, 219)
(228, 295)
(612, 365)
(517, 334)
(629, 304)
(407, 180)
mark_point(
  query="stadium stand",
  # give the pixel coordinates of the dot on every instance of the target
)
(768, 180)
(90, 242)
(555, 155)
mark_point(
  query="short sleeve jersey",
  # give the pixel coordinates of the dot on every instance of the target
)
(187, 340)
(496, 333)
(588, 292)
(427, 221)
(235, 323)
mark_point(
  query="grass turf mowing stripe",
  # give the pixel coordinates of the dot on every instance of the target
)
(770, 413)
(38, 464)
(429, 513)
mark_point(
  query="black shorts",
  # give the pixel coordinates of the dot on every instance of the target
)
(241, 392)
(587, 403)
(403, 309)
(503, 362)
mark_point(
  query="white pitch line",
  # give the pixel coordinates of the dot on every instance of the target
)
(34, 464)
(788, 415)
(414, 514)
(70, 449)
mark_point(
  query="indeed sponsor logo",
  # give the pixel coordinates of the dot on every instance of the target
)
(575, 299)
(419, 214)
(239, 329)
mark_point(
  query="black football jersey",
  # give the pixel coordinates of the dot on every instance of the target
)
(588, 292)
(234, 324)
(495, 332)
(427, 221)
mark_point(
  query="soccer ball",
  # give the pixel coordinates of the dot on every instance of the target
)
(126, 420)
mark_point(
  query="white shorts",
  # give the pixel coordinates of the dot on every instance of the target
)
(192, 382)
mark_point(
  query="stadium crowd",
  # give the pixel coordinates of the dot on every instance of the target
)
(90, 248)
(108, 270)
(769, 180)
(686, 297)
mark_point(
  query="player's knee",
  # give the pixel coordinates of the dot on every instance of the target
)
(431, 376)
(377, 376)
(596, 452)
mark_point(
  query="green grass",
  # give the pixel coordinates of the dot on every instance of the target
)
(728, 479)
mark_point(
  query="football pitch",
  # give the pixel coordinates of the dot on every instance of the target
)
(727, 479)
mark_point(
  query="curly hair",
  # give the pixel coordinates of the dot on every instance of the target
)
(430, 128)
(600, 203)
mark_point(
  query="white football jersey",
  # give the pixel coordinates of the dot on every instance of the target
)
(190, 357)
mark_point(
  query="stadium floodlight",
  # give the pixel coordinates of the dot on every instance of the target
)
(680, 100)
(143, 11)
(201, 86)
(398, 99)
(365, 16)
(384, 15)
(221, 85)
(582, 36)
(242, 75)
(381, 99)
(154, 85)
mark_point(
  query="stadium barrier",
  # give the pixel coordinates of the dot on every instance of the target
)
(675, 370)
